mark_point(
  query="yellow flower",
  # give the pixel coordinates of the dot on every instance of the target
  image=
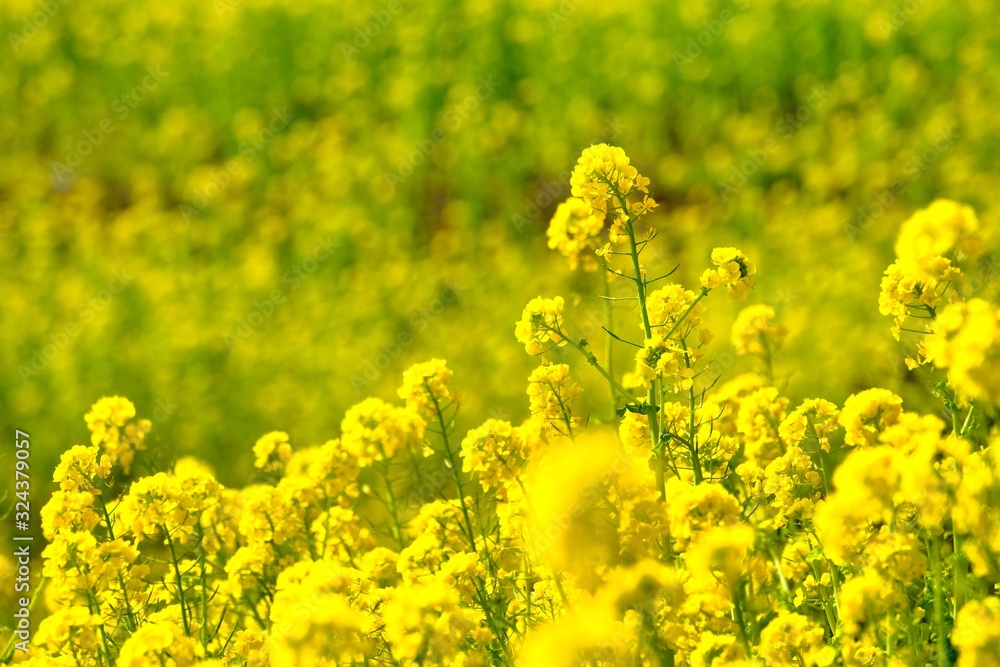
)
(660, 358)
(901, 292)
(790, 488)
(966, 341)
(977, 633)
(718, 651)
(865, 599)
(272, 451)
(246, 567)
(758, 421)
(812, 422)
(111, 428)
(603, 177)
(551, 394)
(975, 510)
(425, 623)
(754, 331)
(69, 510)
(733, 270)
(250, 647)
(866, 484)
(633, 430)
(69, 628)
(331, 468)
(930, 233)
(575, 231)
(867, 414)
(793, 640)
(693, 509)
(720, 554)
(668, 304)
(79, 466)
(540, 324)
(315, 625)
(374, 431)
(426, 388)
(570, 524)
(496, 451)
(158, 644)
(165, 505)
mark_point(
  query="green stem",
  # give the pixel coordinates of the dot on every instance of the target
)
(692, 435)
(180, 582)
(470, 533)
(741, 622)
(609, 346)
(592, 360)
(390, 499)
(130, 621)
(704, 292)
(934, 549)
(960, 565)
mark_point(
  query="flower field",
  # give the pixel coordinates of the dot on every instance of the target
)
(482, 332)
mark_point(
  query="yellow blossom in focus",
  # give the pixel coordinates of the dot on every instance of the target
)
(733, 270)
(603, 177)
(540, 324)
(551, 394)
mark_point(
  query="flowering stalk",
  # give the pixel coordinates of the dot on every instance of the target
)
(497, 630)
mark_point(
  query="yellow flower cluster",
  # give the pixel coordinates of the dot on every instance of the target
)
(965, 340)
(732, 270)
(574, 230)
(754, 331)
(928, 244)
(540, 326)
(604, 179)
(112, 428)
(689, 525)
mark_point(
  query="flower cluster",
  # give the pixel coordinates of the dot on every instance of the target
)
(927, 248)
(688, 524)
(540, 325)
(574, 231)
